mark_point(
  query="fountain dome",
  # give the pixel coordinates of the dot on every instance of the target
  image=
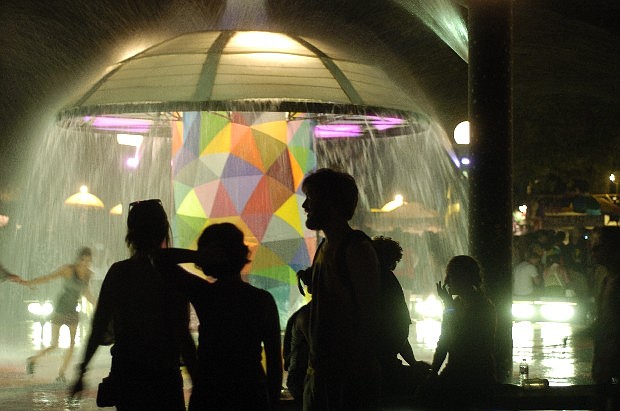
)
(242, 71)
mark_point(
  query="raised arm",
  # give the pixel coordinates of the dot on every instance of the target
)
(65, 271)
(100, 326)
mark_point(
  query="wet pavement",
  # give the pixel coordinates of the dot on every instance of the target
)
(541, 344)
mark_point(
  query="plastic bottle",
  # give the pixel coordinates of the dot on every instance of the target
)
(524, 372)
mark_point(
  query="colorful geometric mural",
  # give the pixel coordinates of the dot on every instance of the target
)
(246, 168)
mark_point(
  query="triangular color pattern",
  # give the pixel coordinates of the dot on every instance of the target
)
(240, 189)
(212, 124)
(275, 129)
(270, 148)
(190, 206)
(223, 205)
(290, 212)
(278, 229)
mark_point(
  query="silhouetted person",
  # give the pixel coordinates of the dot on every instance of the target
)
(149, 319)
(393, 336)
(467, 339)
(75, 284)
(343, 371)
(296, 343)
(606, 326)
(235, 317)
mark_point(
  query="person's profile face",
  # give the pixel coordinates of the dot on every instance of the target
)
(316, 210)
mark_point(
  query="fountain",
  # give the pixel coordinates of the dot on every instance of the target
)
(227, 124)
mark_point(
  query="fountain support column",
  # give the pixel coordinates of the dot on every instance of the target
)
(490, 115)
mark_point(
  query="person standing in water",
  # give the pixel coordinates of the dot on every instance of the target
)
(75, 284)
(148, 318)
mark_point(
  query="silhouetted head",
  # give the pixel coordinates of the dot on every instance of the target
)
(221, 250)
(388, 251)
(463, 274)
(147, 226)
(327, 191)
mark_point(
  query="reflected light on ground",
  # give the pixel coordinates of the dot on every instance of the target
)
(42, 336)
(427, 333)
(554, 333)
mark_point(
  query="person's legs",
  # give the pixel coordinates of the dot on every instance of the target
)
(68, 353)
(32, 360)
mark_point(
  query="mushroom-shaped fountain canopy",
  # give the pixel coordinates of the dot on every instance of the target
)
(243, 71)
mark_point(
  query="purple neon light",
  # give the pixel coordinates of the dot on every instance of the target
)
(383, 123)
(337, 130)
(134, 125)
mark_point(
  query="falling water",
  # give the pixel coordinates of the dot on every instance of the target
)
(45, 233)
(444, 19)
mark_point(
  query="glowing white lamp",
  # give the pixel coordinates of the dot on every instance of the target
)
(394, 204)
(117, 209)
(461, 133)
(84, 198)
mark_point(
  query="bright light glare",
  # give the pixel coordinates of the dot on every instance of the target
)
(263, 40)
(523, 208)
(465, 161)
(427, 333)
(461, 133)
(134, 140)
(523, 311)
(612, 178)
(394, 204)
(557, 311)
(40, 309)
(133, 162)
(431, 307)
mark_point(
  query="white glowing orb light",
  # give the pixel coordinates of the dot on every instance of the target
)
(132, 162)
(558, 311)
(523, 311)
(523, 208)
(465, 161)
(431, 307)
(461, 133)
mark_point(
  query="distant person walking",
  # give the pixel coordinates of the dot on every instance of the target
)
(236, 320)
(343, 372)
(149, 319)
(75, 284)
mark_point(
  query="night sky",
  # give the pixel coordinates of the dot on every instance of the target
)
(566, 62)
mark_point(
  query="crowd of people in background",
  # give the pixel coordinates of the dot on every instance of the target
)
(555, 263)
